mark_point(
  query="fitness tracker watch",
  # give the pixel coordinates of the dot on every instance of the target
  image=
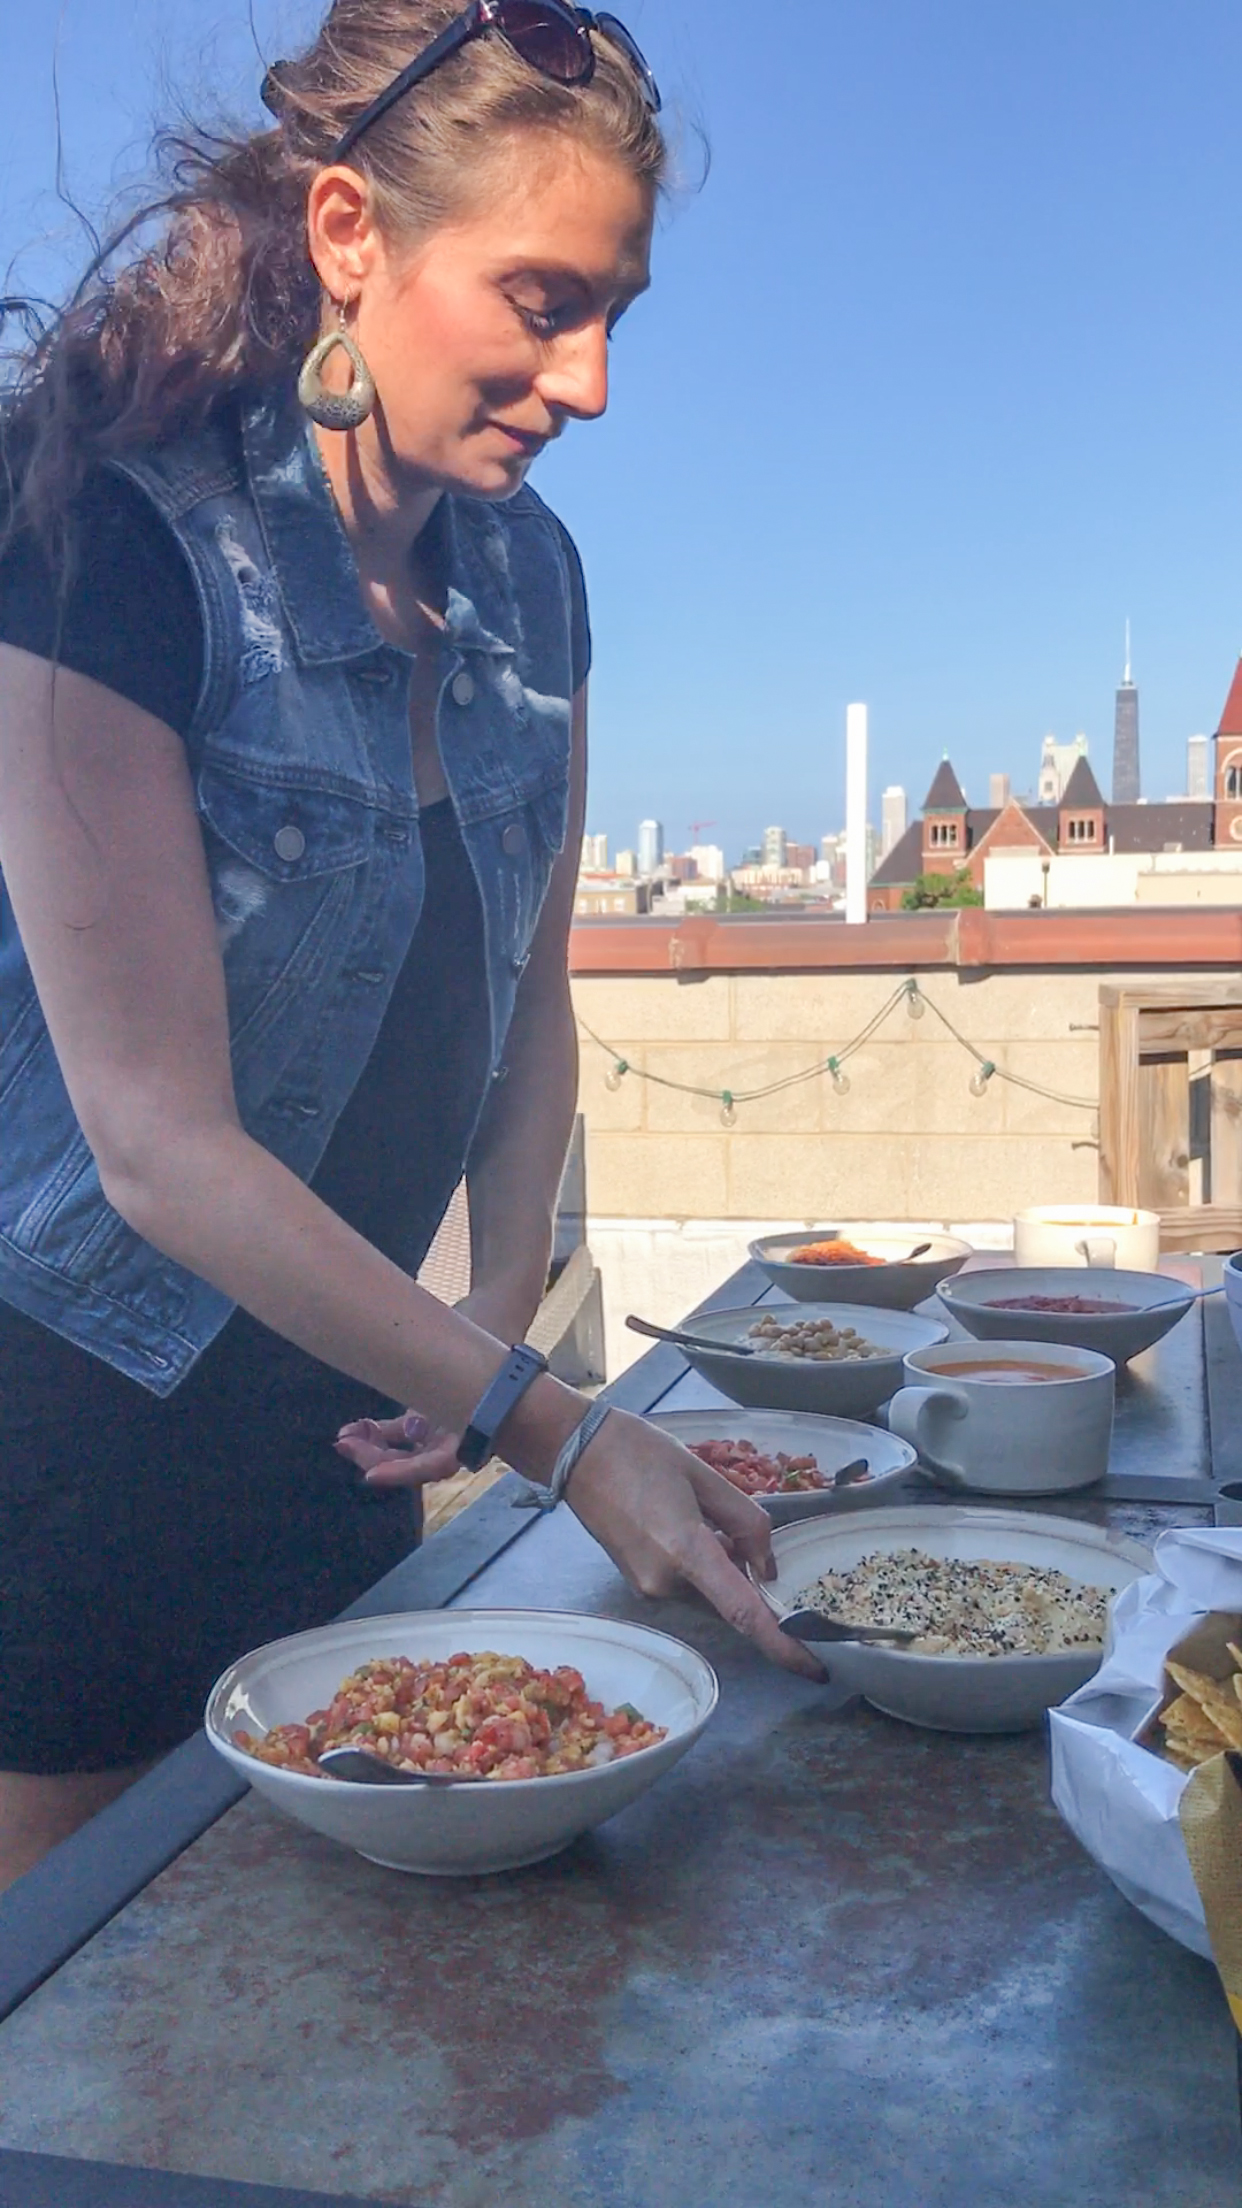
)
(522, 1366)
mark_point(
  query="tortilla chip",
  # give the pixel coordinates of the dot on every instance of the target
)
(1195, 1745)
(1184, 1715)
(1235, 1652)
(1183, 1762)
(1223, 1708)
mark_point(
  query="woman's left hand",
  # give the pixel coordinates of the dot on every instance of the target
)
(399, 1452)
(408, 1451)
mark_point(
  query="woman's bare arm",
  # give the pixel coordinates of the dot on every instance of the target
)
(101, 853)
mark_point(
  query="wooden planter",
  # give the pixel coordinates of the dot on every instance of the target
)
(1171, 1108)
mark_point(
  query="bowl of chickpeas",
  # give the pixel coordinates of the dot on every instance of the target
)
(839, 1360)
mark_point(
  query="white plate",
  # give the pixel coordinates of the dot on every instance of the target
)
(461, 1831)
(833, 1442)
(850, 1388)
(956, 1694)
(896, 1285)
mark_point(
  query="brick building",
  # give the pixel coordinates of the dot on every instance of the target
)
(951, 834)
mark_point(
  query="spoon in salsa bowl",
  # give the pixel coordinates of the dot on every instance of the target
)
(362, 1768)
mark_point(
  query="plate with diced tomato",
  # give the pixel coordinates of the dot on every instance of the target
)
(788, 1461)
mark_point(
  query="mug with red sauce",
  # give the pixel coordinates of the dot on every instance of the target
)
(1008, 1418)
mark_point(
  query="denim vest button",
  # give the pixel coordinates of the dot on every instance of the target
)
(513, 839)
(289, 843)
(463, 688)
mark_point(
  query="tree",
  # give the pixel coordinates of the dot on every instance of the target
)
(932, 891)
(731, 900)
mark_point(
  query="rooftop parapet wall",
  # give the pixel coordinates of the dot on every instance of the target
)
(733, 1005)
(1111, 939)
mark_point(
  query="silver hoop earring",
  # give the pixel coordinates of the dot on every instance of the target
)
(336, 409)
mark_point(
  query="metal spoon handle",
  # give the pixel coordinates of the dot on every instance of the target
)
(361, 1768)
(681, 1340)
(813, 1625)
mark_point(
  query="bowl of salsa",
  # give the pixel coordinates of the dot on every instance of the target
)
(1116, 1313)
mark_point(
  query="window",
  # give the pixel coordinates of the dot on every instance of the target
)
(1233, 784)
(942, 834)
(1080, 831)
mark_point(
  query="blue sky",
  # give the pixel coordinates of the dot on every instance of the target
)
(938, 382)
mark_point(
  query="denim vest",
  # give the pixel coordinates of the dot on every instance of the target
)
(300, 757)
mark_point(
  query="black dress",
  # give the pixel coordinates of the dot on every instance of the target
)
(146, 1542)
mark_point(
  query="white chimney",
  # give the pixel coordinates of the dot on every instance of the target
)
(855, 813)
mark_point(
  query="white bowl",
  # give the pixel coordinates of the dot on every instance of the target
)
(1157, 1305)
(833, 1442)
(893, 1286)
(455, 1832)
(954, 1694)
(850, 1388)
(1087, 1234)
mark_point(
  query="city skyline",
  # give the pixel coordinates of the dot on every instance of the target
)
(890, 807)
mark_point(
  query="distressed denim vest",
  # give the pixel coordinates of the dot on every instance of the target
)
(300, 757)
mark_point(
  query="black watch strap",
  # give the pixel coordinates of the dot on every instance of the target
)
(478, 1443)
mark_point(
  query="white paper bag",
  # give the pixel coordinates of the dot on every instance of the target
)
(1119, 1799)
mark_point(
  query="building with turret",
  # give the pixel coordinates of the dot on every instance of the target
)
(1084, 848)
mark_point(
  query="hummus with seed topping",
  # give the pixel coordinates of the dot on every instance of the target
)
(961, 1608)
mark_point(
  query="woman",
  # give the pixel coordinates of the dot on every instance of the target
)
(292, 754)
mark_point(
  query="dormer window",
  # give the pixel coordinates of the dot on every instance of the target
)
(942, 835)
(1081, 831)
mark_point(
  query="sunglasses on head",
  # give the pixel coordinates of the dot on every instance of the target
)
(552, 36)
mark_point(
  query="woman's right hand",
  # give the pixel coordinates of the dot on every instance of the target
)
(666, 1518)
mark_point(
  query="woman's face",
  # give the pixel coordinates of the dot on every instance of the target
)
(492, 335)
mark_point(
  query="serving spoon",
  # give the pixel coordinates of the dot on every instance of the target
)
(364, 1769)
(815, 1625)
(681, 1340)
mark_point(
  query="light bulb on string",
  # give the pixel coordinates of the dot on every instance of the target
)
(840, 1081)
(728, 1110)
(979, 1081)
(615, 1075)
(914, 1000)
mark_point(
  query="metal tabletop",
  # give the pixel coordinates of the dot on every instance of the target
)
(829, 1957)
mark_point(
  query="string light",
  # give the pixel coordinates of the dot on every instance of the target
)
(907, 992)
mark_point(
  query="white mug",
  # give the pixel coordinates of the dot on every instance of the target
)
(1041, 1435)
(1100, 1235)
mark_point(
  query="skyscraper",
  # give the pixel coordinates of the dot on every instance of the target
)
(998, 792)
(774, 846)
(893, 818)
(1197, 780)
(650, 846)
(1127, 780)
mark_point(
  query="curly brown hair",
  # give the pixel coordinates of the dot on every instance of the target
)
(224, 295)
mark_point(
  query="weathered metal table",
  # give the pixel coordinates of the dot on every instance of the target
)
(830, 1958)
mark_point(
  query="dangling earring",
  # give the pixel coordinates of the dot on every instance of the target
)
(336, 409)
